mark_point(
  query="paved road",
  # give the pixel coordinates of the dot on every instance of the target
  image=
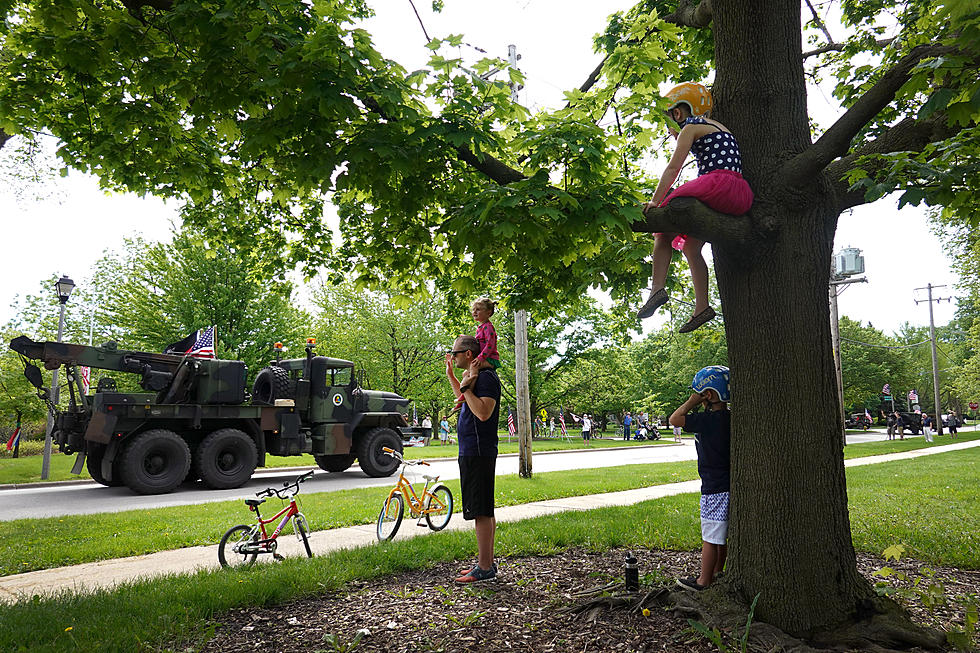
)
(88, 498)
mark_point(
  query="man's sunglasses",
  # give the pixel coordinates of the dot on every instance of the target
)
(457, 351)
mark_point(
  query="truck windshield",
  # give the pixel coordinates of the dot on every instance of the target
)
(341, 376)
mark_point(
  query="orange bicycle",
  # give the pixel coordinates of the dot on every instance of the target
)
(242, 544)
(435, 504)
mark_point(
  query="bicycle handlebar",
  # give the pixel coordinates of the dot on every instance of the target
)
(285, 493)
(394, 454)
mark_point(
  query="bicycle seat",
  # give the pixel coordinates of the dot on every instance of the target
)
(255, 503)
(430, 479)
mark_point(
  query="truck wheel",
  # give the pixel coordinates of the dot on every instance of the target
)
(370, 452)
(271, 383)
(337, 463)
(155, 462)
(93, 462)
(226, 459)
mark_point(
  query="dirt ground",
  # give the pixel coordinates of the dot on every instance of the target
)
(423, 611)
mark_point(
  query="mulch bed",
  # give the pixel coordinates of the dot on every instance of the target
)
(522, 611)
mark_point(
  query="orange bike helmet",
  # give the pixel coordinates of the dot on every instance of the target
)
(695, 96)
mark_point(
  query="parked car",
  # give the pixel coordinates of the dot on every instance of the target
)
(858, 421)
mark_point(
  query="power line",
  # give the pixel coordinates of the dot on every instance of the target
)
(868, 344)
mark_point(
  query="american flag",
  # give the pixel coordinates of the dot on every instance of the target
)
(913, 397)
(868, 415)
(511, 429)
(886, 389)
(203, 346)
(561, 420)
(86, 373)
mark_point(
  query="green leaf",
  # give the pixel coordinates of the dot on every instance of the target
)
(894, 552)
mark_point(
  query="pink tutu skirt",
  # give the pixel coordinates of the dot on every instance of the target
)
(724, 191)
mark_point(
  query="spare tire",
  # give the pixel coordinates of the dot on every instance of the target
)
(272, 383)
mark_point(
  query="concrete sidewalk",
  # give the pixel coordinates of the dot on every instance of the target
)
(107, 573)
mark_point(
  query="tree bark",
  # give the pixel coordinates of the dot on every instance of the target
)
(802, 565)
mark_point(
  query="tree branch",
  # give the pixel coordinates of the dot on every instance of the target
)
(687, 215)
(907, 136)
(819, 22)
(493, 168)
(837, 47)
(691, 14)
(4, 137)
(836, 141)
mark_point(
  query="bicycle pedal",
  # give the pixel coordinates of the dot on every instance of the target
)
(277, 557)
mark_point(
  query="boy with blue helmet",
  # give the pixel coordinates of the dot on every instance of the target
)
(713, 433)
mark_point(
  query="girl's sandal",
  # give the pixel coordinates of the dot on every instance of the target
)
(706, 315)
(656, 300)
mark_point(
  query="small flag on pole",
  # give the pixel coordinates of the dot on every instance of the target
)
(913, 397)
(199, 344)
(86, 373)
(868, 415)
(511, 429)
(886, 389)
(14, 438)
(561, 420)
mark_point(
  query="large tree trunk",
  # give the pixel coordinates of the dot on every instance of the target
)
(790, 464)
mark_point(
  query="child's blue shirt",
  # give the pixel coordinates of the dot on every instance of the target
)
(713, 442)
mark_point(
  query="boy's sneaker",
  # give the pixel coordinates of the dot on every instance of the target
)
(690, 584)
(478, 575)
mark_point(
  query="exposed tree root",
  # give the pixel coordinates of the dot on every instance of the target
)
(884, 628)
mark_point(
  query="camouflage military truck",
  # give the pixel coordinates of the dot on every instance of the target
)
(192, 421)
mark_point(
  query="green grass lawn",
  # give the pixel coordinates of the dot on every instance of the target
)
(33, 544)
(928, 505)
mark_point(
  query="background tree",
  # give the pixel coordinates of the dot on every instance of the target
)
(256, 110)
(401, 345)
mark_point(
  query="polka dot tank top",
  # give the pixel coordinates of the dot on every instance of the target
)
(715, 151)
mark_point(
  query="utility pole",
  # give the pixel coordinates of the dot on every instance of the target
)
(935, 359)
(838, 278)
(521, 369)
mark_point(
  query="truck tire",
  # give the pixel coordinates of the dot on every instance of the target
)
(370, 451)
(271, 383)
(93, 462)
(337, 463)
(226, 459)
(155, 462)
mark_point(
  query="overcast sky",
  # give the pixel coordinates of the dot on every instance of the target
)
(67, 232)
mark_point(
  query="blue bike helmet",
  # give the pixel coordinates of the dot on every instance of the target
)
(714, 377)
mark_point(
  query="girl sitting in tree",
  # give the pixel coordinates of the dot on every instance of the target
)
(719, 185)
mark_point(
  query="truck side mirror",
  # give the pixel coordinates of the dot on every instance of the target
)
(33, 374)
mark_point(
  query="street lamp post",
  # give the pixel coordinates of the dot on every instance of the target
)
(63, 287)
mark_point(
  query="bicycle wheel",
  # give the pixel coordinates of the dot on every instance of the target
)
(391, 517)
(237, 548)
(439, 508)
(303, 532)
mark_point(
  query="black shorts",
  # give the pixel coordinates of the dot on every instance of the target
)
(476, 478)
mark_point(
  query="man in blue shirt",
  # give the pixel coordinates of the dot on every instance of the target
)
(627, 422)
(476, 430)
